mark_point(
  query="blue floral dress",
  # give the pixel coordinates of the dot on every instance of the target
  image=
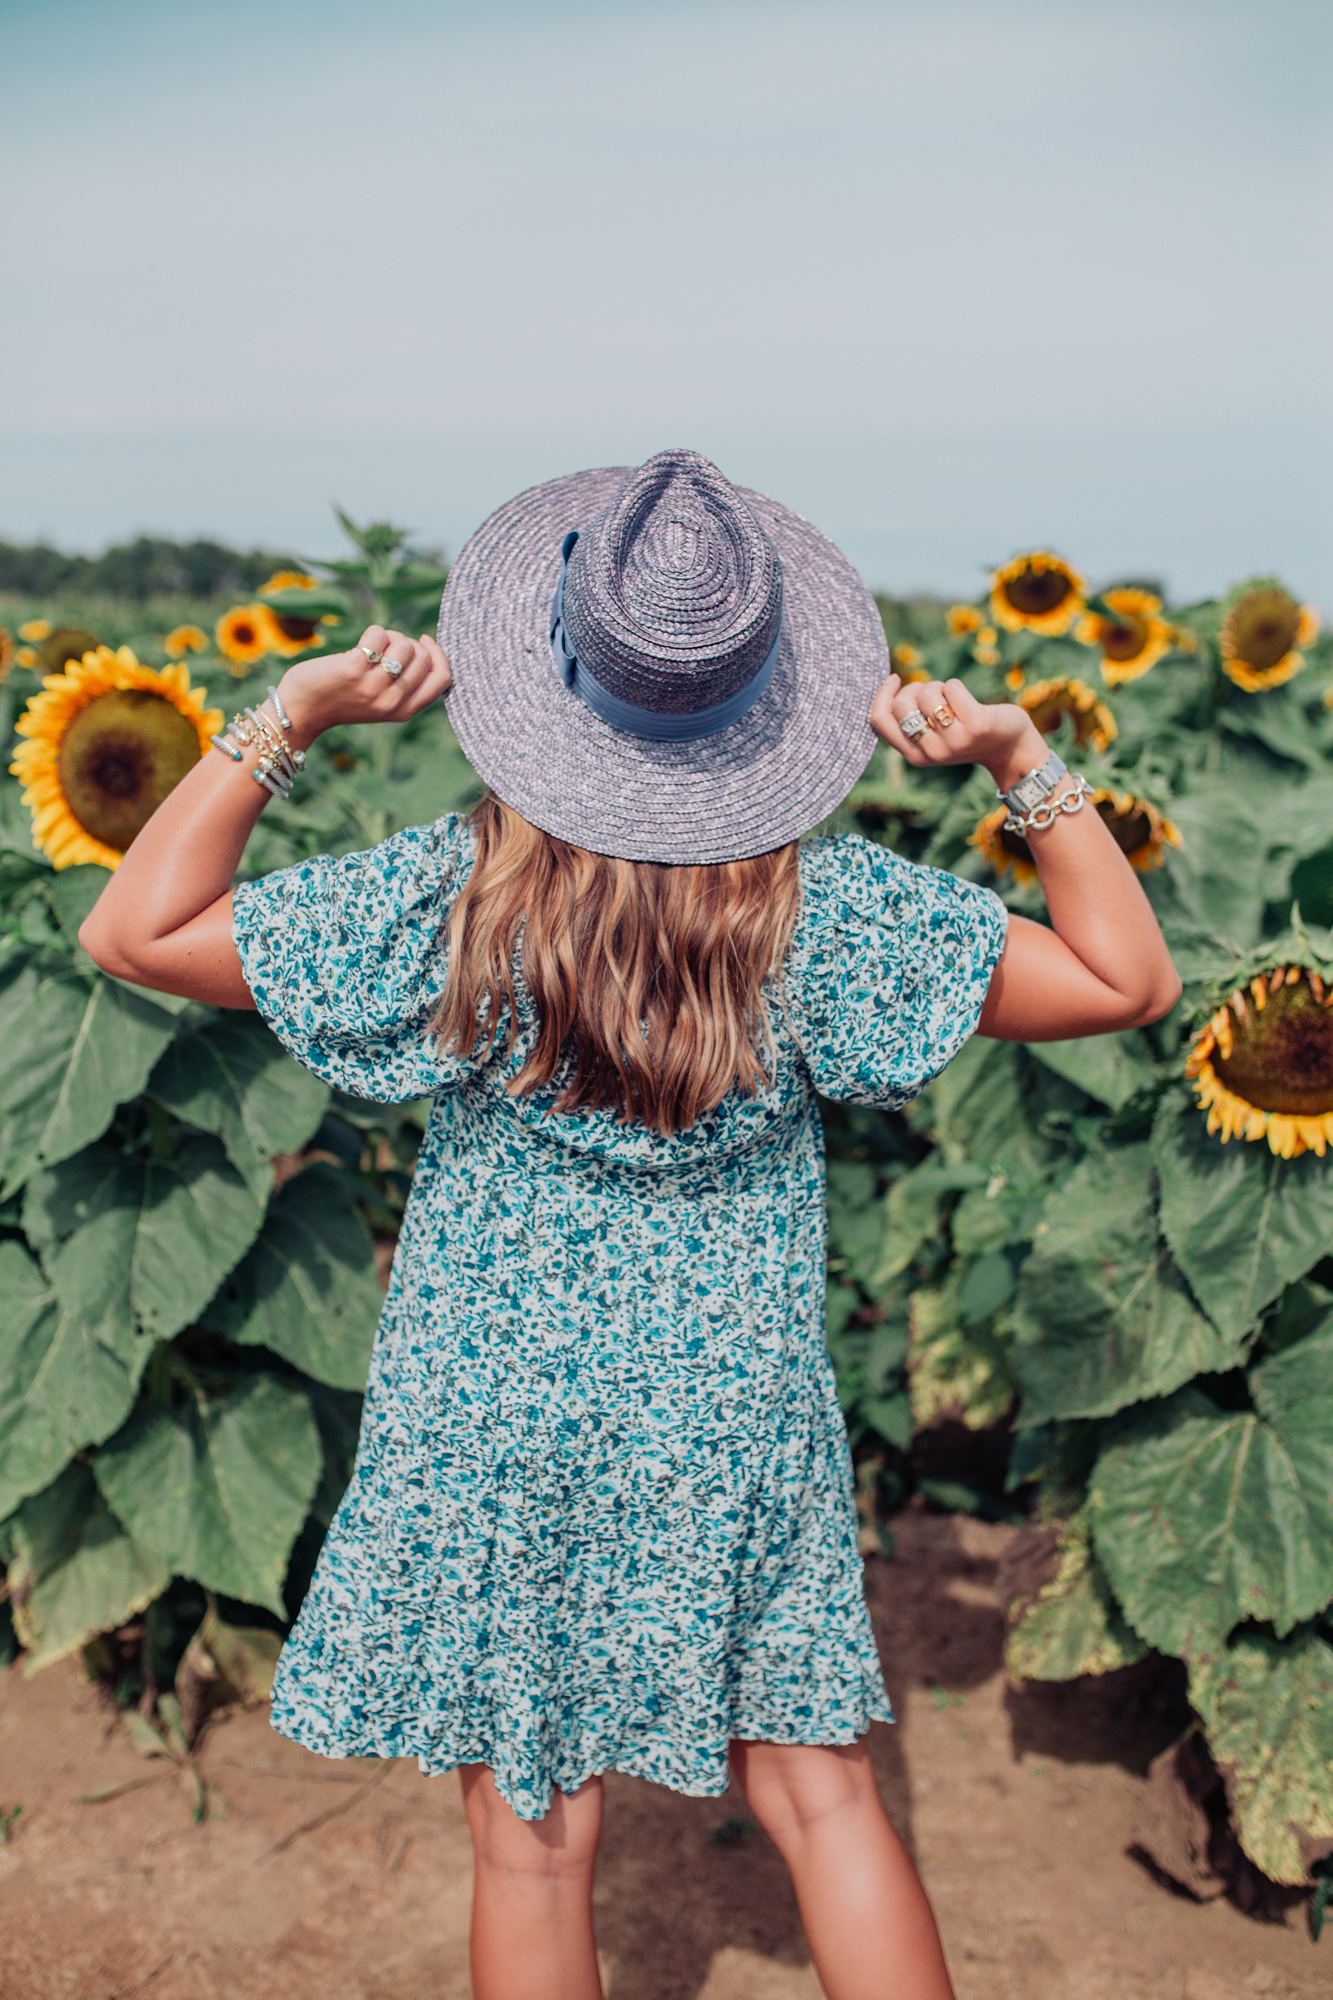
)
(601, 1515)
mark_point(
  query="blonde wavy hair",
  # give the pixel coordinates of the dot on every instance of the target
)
(647, 980)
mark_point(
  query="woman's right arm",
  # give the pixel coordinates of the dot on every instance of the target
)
(1103, 964)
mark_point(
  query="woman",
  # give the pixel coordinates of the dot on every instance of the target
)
(601, 1514)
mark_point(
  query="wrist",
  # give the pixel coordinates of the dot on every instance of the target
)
(305, 729)
(1017, 759)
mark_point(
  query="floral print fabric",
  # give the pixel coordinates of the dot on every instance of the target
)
(601, 1515)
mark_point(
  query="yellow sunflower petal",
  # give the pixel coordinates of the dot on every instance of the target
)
(147, 757)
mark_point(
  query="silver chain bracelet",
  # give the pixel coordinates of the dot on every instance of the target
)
(1044, 813)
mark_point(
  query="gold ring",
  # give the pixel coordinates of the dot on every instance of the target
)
(944, 715)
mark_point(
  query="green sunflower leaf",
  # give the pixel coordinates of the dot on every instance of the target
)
(62, 1385)
(1111, 1068)
(129, 1242)
(71, 1050)
(308, 1288)
(1267, 1708)
(1073, 1625)
(233, 1077)
(1241, 1223)
(1204, 1517)
(1103, 1316)
(75, 1571)
(218, 1490)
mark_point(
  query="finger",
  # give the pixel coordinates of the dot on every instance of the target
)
(881, 708)
(373, 640)
(964, 703)
(400, 655)
(891, 703)
(439, 668)
(431, 678)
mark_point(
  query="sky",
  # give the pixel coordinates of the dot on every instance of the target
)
(950, 279)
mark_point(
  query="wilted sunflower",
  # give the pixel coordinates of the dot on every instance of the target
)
(1133, 639)
(185, 639)
(1263, 1065)
(1263, 631)
(245, 633)
(1047, 702)
(962, 619)
(1140, 831)
(34, 630)
(1036, 593)
(107, 740)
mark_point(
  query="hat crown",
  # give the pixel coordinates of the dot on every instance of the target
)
(673, 595)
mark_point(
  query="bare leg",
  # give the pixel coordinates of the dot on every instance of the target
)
(532, 1894)
(869, 1926)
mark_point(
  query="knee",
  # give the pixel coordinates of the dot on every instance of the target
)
(562, 1846)
(796, 1789)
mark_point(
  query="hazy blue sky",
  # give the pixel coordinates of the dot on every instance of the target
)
(948, 278)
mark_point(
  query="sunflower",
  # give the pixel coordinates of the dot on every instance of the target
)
(1003, 852)
(67, 642)
(6, 650)
(905, 658)
(1139, 830)
(1263, 632)
(1036, 593)
(185, 639)
(245, 633)
(1014, 679)
(962, 619)
(987, 648)
(34, 630)
(1048, 702)
(1132, 639)
(107, 740)
(293, 634)
(1262, 1066)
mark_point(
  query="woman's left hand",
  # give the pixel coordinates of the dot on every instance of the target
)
(351, 687)
(960, 729)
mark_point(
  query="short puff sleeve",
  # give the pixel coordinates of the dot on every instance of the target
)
(888, 970)
(345, 959)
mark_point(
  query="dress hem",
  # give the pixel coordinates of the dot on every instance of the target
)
(439, 1761)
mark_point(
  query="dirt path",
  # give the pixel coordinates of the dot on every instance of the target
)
(350, 1882)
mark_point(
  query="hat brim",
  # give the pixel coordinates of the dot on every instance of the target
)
(749, 788)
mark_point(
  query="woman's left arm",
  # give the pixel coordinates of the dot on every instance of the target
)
(1103, 963)
(164, 919)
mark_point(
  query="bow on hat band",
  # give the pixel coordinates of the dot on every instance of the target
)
(651, 723)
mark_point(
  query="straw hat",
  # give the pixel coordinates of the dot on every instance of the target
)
(659, 665)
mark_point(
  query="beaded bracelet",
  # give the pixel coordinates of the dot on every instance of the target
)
(277, 765)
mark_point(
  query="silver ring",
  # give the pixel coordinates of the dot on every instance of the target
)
(370, 654)
(391, 667)
(913, 724)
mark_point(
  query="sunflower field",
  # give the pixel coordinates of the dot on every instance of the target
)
(1107, 1263)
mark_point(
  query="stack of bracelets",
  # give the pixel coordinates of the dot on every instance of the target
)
(278, 764)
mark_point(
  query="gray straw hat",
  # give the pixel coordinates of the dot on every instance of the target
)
(660, 665)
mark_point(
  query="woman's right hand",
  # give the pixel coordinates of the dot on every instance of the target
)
(960, 729)
(350, 687)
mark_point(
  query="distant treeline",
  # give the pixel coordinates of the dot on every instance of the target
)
(138, 570)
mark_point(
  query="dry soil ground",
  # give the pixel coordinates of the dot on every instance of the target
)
(350, 1882)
